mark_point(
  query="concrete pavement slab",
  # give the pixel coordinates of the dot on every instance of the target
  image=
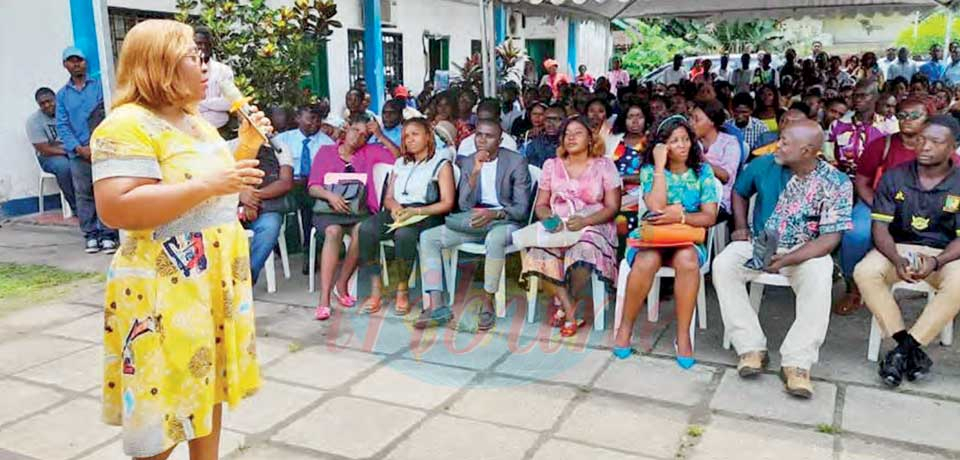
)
(643, 428)
(350, 427)
(657, 378)
(272, 404)
(33, 350)
(903, 417)
(555, 362)
(735, 439)
(78, 371)
(456, 438)
(413, 383)
(19, 399)
(322, 367)
(556, 449)
(88, 328)
(764, 397)
(58, 433)
(513, 402)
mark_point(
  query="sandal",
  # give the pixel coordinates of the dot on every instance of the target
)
(372, 305)
(486, 319)
(402, 306)
(434, 317)
(323, 313)
(345, 300)
(558, 318)
(569, 328)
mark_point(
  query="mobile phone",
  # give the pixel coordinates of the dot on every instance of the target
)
(651, 215)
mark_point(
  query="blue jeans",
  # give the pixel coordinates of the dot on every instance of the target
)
(59, 165)
(856, 243)
(266, 230)
(90, 224)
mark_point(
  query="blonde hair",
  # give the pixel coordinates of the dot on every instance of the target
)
(148, 70)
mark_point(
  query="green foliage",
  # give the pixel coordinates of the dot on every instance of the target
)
(709, 37)
(827, 428)
(269, 49)
(931, 31)
(652, 48)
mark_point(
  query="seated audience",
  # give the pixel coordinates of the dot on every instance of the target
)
(631, 132)
(542, 146)
(488, 109)
(42, 133)
(721, 151)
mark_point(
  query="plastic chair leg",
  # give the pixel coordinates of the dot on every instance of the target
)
(312, 254)
(653, 301)
(599, 302)
(702, 303)
(534, 286)
(452, 275)
(622, 277)
(284, 258)
(873, 344)
(384, 269)
(500, 298)
(756, 295)
(271, 274)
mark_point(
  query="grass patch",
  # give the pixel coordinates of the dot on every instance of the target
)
(25, 284)
(827, 428)
(695, 431)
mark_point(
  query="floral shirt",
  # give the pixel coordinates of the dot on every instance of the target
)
(811, 205)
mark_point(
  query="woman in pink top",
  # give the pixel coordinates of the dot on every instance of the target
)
(582, 188)
(722, 150)
(352, 155)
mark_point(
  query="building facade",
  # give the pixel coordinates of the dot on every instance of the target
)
(418, 37)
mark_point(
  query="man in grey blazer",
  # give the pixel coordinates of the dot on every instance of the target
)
(495, 185)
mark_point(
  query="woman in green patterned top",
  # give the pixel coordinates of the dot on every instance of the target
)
(678, 187)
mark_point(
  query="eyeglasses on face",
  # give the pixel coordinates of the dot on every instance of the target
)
(911, 116)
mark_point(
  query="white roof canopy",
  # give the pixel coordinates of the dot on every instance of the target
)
(623, 9)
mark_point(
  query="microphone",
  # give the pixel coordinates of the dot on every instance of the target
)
(239, 106)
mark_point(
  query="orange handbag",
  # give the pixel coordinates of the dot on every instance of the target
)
(666, 236)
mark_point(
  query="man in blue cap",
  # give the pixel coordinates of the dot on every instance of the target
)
(79, 110)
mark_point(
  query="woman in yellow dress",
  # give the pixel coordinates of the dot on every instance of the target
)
(178, 323)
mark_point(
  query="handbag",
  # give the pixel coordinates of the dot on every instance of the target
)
(666, 236)
(460, 222)
(354, 192)
(433, 187)
(536, 236)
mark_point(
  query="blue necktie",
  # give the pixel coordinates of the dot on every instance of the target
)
(305, 158)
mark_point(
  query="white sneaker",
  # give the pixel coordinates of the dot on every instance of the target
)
(92, 246)
(108, 246)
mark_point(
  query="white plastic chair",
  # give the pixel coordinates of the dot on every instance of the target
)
(599, 299)
(873, 344)
(268, 268)
(500, 298)
(64, 205)
(653, 297)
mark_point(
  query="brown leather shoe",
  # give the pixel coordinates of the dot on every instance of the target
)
(797, 382)
(752, 363)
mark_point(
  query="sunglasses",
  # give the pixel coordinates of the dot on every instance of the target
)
(911, 116)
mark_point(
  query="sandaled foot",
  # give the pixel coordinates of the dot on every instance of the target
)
(849, 304)
(569, 328)
(434, 317)
(486, 319)
(402, 305)
(558, 318)
(373, 305)
(323, 313)
(345, 300)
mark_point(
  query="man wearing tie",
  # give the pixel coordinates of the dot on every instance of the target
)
(304, 143)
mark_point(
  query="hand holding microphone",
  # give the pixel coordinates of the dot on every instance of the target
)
(255, 127)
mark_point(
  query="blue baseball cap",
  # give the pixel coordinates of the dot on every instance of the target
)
(72, 51)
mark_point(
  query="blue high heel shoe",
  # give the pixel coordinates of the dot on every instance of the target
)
(622, 352)
(685, 362)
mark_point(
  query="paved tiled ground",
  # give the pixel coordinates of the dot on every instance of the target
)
(363, 386)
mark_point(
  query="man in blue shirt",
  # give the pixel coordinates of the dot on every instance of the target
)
(951, 71)
(303, 143)
(934, 68)
(390, 134)
(79, 110)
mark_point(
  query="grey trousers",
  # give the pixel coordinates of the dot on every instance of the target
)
(435, 240)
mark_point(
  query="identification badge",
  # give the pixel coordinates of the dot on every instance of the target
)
(951, 204)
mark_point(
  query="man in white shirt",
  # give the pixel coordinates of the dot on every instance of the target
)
(214, 107)
(724, 73)
(903, 67)
(487, 109)
(743, 76)
(673, 75)
(890, 58)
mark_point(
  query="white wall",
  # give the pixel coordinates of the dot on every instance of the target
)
(31, 41)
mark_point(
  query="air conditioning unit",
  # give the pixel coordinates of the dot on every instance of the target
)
(386, 12)
(515, 24)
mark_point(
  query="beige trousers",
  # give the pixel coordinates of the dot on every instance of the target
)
(875, 275)
(812, 281)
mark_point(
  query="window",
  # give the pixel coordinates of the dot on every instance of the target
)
(392, 56)
(123, 19)
(475, 47)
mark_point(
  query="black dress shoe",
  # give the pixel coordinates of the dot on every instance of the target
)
(894, 366)
(918, 365)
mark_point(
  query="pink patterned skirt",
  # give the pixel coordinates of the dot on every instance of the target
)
(596, 251)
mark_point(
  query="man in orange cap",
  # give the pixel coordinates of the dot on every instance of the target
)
(554, 78)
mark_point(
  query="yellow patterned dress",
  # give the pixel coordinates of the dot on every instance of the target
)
(178, 323)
